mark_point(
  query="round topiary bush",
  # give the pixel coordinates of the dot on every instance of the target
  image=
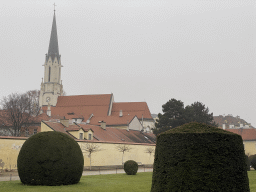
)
(199, 157)
(131, 167)
(50, 158)
(252, 161)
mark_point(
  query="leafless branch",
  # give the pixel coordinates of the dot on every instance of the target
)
(18, 110)
(123, 148)
(150, 150)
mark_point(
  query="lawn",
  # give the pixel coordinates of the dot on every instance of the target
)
(141, 182)
(98, 183)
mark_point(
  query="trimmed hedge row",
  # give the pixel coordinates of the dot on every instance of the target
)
(199, 157)
(50, 158)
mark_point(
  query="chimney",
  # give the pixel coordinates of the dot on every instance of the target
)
(103, 124)
(121, 113)
(49, 110)
(64, 122)
(224, 126)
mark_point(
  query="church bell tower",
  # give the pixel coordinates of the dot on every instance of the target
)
(51, 86)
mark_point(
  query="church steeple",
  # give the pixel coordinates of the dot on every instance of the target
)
(53, 50)
(51, 87)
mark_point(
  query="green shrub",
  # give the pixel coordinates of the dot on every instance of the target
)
(252, 160)
(50, 158)
(248, 163)
(199, 157)
(131, 167)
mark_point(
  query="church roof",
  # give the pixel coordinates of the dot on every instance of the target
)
(132, 108)
(53, 46)
(83, 106)
(84, 100)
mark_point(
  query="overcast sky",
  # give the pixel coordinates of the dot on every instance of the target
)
(139, 50)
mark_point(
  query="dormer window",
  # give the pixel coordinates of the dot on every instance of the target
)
(89, 136)
(81, 135)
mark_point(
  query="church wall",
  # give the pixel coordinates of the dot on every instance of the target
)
(108, 154)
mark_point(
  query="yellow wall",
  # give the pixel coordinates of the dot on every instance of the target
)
(44, 127)
(9, 150)
(109, 154)
(250, 147)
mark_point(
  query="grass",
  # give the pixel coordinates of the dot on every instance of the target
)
(252, 180)
(98, 183)
(141, 182)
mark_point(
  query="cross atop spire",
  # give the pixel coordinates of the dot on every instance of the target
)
(54, 7)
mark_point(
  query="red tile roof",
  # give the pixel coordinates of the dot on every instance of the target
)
(84, 100)
(132, 109)
(247, 134)
(112, 120)
(114, 135)
(41, 117)
(84, 111)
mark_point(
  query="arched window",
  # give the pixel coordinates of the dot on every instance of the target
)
(49, 78)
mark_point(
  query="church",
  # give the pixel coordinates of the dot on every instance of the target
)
(86, 109)
(94, 121)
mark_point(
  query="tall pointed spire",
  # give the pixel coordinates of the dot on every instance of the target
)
(53, 46)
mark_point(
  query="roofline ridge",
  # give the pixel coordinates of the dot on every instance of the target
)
(132, 102)
(82, 95)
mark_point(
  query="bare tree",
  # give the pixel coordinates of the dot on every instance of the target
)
(150, 150)
(90, 148)
(2, 164)
(33, 96)
(17, 111)
(123, 148)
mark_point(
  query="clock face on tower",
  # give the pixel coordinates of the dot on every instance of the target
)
(47, 99)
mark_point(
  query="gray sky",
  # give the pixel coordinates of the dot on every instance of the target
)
(139, 50)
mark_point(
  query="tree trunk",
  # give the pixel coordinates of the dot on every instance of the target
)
(90, 162)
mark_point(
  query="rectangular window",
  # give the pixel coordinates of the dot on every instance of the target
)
(35, 131)
(81, 136)
(90, 137)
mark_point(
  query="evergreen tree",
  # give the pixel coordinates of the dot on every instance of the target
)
(175, 114)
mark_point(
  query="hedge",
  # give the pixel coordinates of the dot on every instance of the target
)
(199, 157)
(131, 167)
(50, 158)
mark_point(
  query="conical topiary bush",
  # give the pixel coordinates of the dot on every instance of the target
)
(199, 157)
